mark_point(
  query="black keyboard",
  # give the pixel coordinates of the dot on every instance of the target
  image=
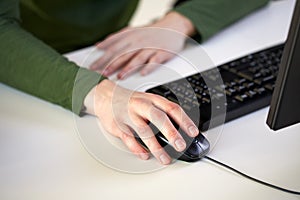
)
(228, 91)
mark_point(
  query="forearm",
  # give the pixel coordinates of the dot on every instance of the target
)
(33, 67)
(209, 17)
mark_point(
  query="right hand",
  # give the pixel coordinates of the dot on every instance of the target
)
(122, 111)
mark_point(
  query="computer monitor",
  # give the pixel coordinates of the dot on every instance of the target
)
(285, 104)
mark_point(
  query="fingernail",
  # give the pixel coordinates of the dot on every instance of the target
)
(144, 156)
(164, 159)
(193, 131)
(180, 144)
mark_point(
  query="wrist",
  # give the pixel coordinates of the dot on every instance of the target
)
(97, 94)
(88, 102)
(178, 22)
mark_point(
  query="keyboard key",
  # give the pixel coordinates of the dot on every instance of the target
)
(260, 90)
(241, 97)
(240, 81)
(205, 100)
(270, 86)
(248, 84)
(250, 93)
(230, 91)
(262, 80)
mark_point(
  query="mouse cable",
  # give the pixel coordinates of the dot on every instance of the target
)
(252, 178)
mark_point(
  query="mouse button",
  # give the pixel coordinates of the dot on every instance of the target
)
(161, 139)
(194, 151)
(202, 141)
(198, 148)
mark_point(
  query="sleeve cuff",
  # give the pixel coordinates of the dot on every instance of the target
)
(85, 80)
(209, 17)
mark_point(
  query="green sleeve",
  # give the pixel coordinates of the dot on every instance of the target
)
(28, 64)
(211, 16)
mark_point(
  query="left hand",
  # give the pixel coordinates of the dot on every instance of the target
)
(133, 49)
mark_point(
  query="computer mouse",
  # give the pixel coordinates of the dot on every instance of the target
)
(196, 148)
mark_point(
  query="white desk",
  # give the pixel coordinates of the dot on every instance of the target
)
(42, 157)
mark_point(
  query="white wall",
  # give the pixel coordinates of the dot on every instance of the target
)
(149, 10)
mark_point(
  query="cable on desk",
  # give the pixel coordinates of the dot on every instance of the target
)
(252, 178)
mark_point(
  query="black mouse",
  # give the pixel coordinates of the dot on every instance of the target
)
(196, 148)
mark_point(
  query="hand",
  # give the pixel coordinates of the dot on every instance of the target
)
(121, 111)
(133, 49)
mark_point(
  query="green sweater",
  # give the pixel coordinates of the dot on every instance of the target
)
(34, 33)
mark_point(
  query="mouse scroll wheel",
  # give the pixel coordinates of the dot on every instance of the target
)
(195, 140)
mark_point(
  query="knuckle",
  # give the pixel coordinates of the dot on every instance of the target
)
(135, 63)
(142, 129)
(136, 149)
(159, 57)
(187, 122)
(125, 137)
(172, 134)
(146, 54)
(130, 66)
(173, 108)
(155, 98)
(137, 102)
(138, 59)
(133, 146)
(155, 59)
(154, 146)
(157, 114)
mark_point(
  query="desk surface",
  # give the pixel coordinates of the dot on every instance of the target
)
(42, 155)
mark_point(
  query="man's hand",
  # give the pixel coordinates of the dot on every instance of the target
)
(133, 49)
(121, 111)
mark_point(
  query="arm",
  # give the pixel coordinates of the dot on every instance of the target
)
(210, 17)
(30, 65)
(131, 50)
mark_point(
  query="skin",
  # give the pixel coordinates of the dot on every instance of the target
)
(127, 51)
(116, 109)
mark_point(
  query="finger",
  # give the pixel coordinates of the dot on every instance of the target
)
(136, 63)
(155, 61)
(136, 148)
(119, 62)
(147, 136)
(163, 123)
(109, 54)
(100, 63)
(177, 113)
(123, 132)
(110, 39)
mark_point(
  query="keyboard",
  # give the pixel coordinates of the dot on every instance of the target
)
(228, 91)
